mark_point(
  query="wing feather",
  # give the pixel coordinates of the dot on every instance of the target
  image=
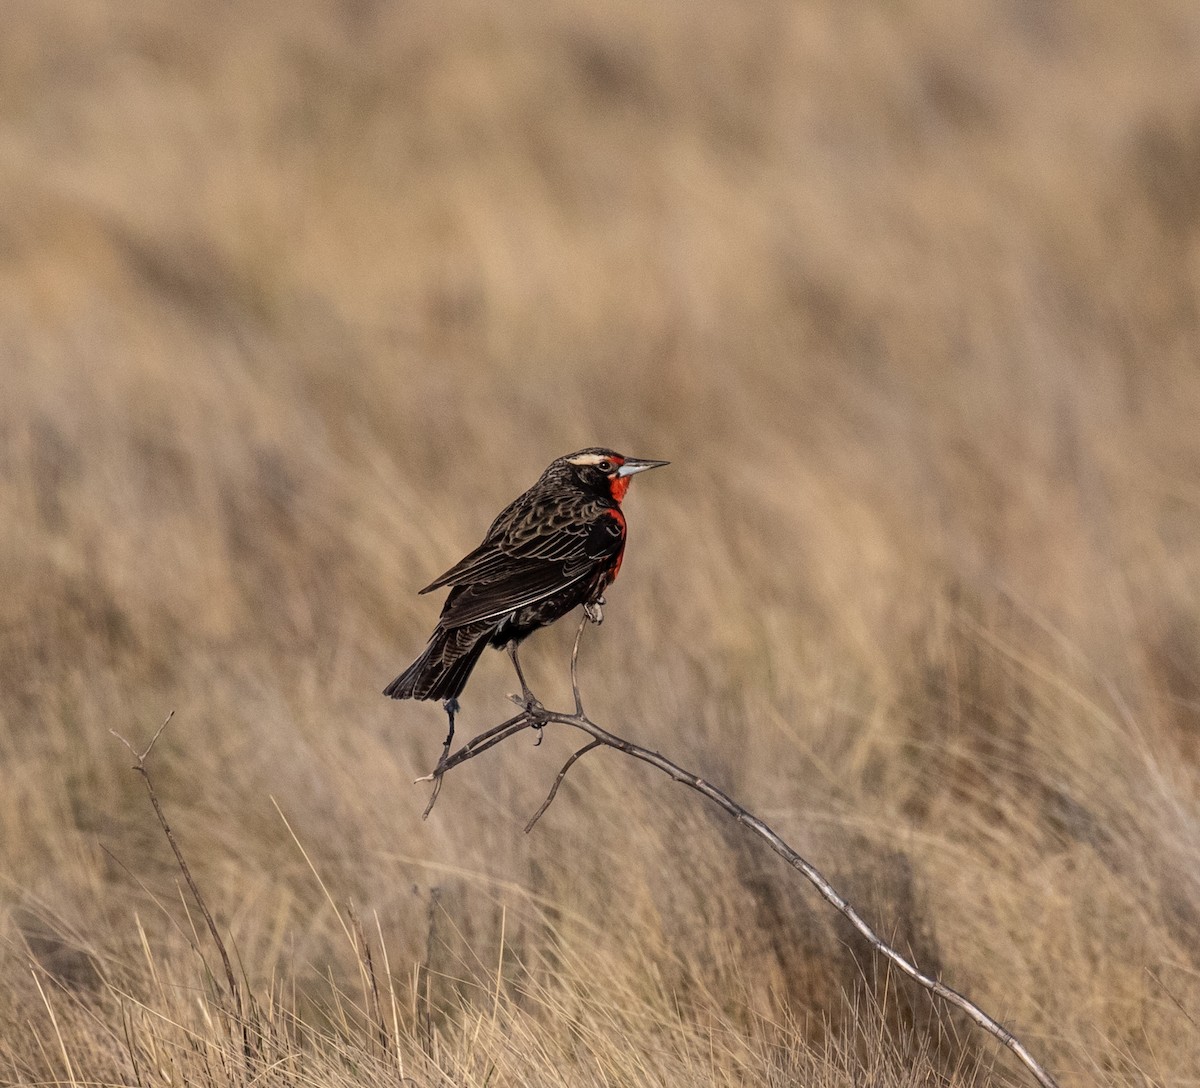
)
(495, 600)
(486, 560)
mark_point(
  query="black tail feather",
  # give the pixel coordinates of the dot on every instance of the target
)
(441, 672)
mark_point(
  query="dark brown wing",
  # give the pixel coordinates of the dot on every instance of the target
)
(526, 559)
(518, 588)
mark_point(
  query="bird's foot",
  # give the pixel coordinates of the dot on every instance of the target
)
(595, 611)
(527, 701)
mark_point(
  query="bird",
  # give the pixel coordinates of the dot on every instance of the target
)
(556, 546)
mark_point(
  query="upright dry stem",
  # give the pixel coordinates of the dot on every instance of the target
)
(235, 992)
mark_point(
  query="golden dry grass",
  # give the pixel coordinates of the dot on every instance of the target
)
(294, 296)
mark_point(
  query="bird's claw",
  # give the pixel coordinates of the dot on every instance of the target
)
(595, 611)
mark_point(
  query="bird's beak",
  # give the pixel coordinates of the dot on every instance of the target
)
(633, 466)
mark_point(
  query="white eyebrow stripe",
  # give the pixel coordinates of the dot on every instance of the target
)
(588, 459)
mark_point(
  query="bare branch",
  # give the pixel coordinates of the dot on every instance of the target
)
(537, 717)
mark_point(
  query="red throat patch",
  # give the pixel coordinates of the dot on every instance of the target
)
(619, 485)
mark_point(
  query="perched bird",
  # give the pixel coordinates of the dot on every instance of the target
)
(557, 546)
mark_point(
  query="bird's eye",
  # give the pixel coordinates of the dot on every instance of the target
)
(605, 465)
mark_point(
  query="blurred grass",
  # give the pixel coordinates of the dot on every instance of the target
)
(294, 297)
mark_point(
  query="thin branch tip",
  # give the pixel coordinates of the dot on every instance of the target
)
(132, 749)
(154, 739)
(558, 782)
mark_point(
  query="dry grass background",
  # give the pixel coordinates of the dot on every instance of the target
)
(294, 296)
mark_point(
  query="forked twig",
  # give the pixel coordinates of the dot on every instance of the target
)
(537, 717)
(230, 978)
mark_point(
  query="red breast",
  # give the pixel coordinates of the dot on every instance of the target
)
(615, 569)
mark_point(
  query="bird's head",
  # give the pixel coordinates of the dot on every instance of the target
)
(606, 472)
